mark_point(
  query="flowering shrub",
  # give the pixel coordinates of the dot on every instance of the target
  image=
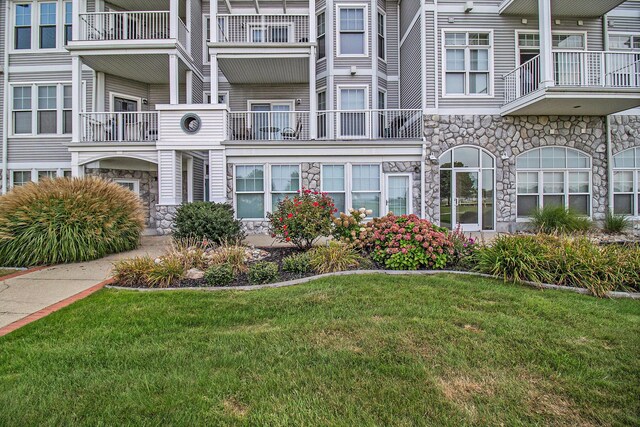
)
(302, 219)
(407, 243)
(348, 226)
(464, 248)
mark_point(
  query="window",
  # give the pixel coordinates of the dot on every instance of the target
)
(382, 48)
(553, 176)
(68, 20)
(352, 121)
(20, 178)
(624, 42)
(47, 109)
(285, 181)
(67, 115)
(333, 183)
(269, 34)
(531, 41)
(22, 110)
(47, 174)
(322, 117)
(23, 26)
(365, 188)
(352, 35)
(48, 25)
(626, 182)
(250, 191)
(130, 184)
(467, 69)
(321, 32)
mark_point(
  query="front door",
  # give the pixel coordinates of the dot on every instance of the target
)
(125, 126)
(398, 194)
(466, 198)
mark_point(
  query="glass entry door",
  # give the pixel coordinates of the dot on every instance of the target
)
(466, 197)
(398, 194)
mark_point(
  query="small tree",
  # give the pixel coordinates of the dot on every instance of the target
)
(302, 219)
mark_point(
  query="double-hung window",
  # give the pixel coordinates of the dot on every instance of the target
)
(20, 178)
(250, 191)
(365, 187)
(467, 63)
(320, 35)
(22, 109)
(352, 31)
(322, 115)
(285, 182)
(352, 119)
(333, 183)
(382, 42)
(67, 114)
(68, 20)
(22, 33)
(47, 109)
(626, 182)
(48, 25)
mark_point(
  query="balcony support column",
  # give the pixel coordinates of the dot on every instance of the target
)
(174, 80)
(214, 78)
(546, 45)
(173, 18)
(78, 7)
(189, 86)
(76, 97)
(313, 96)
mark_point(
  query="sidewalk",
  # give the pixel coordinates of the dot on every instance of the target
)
(32, 292)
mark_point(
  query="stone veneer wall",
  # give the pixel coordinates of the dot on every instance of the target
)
(148, 187)
(164, 218)
(513, 135)
(625, 132)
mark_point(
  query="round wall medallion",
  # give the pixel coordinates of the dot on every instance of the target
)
(190, 123)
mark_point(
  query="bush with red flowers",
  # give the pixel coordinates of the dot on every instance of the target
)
(301, 220)
(407, 243)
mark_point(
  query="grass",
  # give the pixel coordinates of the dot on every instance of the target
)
(6, 271)
(353, 350)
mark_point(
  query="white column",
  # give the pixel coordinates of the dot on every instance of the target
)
(100, 104)
(76, 97)
(78, 6)
(173, 18)
(169, 177)
(174, 80)
(189, 86)
(546, 53)
(77, 171)
(217, 176)
(214, 78)
(213, 20)
(313, 97)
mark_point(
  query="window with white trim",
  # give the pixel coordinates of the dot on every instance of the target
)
(47, 31)
(366, 187)
(22, 110)
(382, 39)
(285, 182)
(322, 116)
(352, 31)
(467, 63)
(249, 189)
(22, 33)
(130, 184)
(68, 21)
(53, 107)
(553, 176)
(321, 35)
(626, 182)
(47, 109)
(332, 179)
(352, 120)
(47, 174)
(20, 178)
(624, 41)
(67, 113)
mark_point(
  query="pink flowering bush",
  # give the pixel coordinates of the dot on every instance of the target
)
(407, 243)
(302, 219)
(464, 249)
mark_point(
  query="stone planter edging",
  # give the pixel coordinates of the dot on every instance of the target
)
(613, 294)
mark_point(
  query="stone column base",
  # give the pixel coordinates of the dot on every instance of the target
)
(165, 215)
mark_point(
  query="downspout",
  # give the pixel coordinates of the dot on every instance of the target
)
(437, 57)
(607, 125)
(5, 114)
(423, 160)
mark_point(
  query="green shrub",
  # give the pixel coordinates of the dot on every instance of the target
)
(297, 263)
(212, 221)
(166, 272)
(67, 220)
(219, 275)
(615, 224)
(132, 272)
(464, 249)
(302, 219)
(407, 243)
(262, 272)
(558, 219)
(233, 254)
(336, 256)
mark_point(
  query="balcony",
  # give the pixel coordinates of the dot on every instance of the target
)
(560, 8)
(120, 127)
(585, 83)
(329, 125)
(256, 49)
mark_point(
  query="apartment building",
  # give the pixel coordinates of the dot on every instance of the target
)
(469, 113)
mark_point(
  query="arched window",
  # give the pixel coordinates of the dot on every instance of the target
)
(553, 176)
(626, 182)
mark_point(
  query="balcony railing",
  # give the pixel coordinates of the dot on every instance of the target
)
(576, 69)
(263, 28)
(119, 127)
(115, 26)
(330, 125)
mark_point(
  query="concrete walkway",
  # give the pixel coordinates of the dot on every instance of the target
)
(32, 292)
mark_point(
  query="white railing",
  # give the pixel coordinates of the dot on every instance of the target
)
(113, 26)
(268, 125)
(184, 35)
(576, 69)
(330, 125)
(119, 127)
(263, 28)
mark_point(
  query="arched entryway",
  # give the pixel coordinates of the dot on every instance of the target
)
(467, 189)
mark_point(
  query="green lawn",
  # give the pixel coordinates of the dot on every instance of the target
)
(352, 351)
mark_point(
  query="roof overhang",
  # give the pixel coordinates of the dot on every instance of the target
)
(560, 8)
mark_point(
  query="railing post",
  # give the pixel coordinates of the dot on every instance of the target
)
(603, 69)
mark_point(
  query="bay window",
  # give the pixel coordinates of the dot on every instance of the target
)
(285, 182)
(626, 182)
(22, 33)
(352, 31)
(249, 191)
(48, 25)
(333, 183)
(553, 176)
(467, 57)
(365, 187)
